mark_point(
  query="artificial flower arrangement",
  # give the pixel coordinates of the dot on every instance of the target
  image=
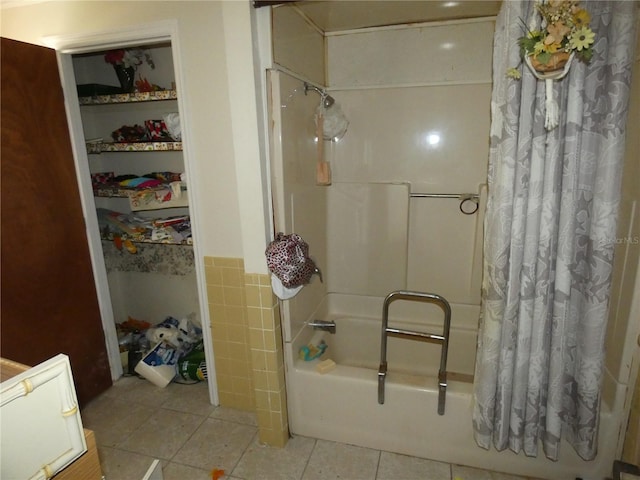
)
(129, 57)
(565, 32)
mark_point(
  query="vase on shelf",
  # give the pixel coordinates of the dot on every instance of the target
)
(555, 69)
(126, 77)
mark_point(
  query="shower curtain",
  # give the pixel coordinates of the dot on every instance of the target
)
(549, 237)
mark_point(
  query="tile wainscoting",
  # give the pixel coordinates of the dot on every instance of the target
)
(247, 343)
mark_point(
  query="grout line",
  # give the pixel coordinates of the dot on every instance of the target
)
(253, 440)
(306, 465)
(187, 439)
(378, 464)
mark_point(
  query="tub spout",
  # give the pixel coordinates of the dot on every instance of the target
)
(326, 325)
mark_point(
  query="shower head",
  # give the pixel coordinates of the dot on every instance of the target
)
(327, 100)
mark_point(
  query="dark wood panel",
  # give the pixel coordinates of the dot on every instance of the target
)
(49, 302)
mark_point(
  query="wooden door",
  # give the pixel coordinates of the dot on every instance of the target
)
(49, 301)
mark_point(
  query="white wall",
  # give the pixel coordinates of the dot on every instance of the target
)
(215, 42)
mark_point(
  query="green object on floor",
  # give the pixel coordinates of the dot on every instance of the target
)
(193, 367)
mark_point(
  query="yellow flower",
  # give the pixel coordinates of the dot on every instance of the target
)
(582, 38)
(552, 47)
(581, 18)
(514, 73)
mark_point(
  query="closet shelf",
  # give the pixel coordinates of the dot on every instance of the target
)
(102, 147)
(156, 198)
(172, 230)
(136, 97)
(110, 238)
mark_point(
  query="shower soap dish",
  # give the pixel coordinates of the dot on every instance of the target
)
(325, 366)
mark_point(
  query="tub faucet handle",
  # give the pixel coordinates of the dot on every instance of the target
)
(317, 271)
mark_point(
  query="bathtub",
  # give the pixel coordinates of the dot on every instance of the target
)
(342, 405)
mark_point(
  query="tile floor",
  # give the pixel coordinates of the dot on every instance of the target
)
(135, 422)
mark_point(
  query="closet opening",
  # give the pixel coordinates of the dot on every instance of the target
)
(130, 138)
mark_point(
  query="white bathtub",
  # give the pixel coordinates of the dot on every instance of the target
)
(342, 405)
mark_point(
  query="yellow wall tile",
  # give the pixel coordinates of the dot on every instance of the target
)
(260, 381)
(272, 363)
(276, 420)
(226, 262)
(241, 386)
(273, 381)
(237, 333)
(220, 347)
(270, 340)
(274, 401)
(238, 352)
(217, 313)
(213, 275)
(253, 296)
(256, 338)
(235, 314)
(232, 277)
(264, 418)
(243, 402)
(267, 298)
(219, 331)
(254, 317)
(224, 382)
(215, 294)
(262, 400)
(234, 296)
(247, 340)
(259, 360)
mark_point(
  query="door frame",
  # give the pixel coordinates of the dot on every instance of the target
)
(66, 46)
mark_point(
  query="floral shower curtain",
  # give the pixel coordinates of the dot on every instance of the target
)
(549, 239)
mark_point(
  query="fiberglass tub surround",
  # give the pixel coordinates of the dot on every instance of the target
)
(412, 131)
(372, 232)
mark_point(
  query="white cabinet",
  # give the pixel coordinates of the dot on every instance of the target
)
(40, 423)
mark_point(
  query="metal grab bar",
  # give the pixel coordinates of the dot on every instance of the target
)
(443, 339)
(474, 198)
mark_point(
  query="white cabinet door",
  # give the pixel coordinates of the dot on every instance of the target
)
(40, 425)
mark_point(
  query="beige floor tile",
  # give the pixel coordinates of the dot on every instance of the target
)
(236, 416)
(123, 465)
(163, 434)
(401, 467)
(261, 462)
(113, 420)
(176, 471)
(331, 460)
(216, 444)
(459, 472)
(139, 391)
(192, 398)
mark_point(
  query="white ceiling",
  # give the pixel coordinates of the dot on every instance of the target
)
(338, 15)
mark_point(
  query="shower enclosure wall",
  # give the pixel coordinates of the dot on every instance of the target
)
(417, 98)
